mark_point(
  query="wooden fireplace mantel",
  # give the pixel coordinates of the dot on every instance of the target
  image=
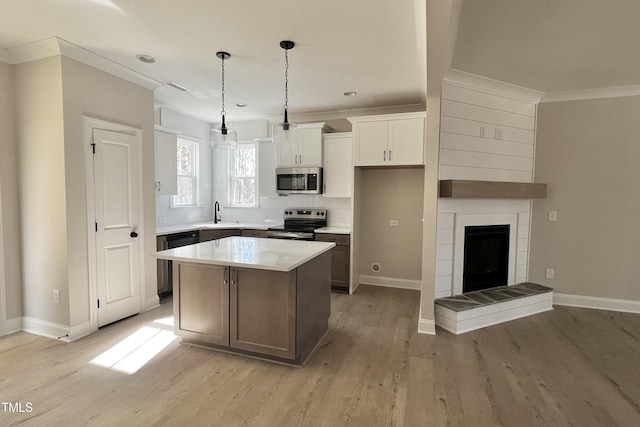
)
(466, 189)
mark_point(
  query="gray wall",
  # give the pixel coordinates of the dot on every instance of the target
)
(10, 214)
(391, 194)
(52, 96)
(589, 154)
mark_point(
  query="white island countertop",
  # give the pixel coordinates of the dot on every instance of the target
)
(249, 252)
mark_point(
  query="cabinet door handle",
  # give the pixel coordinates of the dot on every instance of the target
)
(389, 155)
(159, 186)
(300, 159)
(384, 156)
(226, 274)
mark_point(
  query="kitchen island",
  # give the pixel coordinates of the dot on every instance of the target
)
(267, 298)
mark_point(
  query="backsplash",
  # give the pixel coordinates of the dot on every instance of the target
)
(272, 209)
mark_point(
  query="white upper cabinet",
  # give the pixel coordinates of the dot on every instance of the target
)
(308, 152)
(389, 140)
(338, 165)
(166, 168)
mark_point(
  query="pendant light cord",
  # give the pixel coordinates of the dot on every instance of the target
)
(286, 79)
(223, 113)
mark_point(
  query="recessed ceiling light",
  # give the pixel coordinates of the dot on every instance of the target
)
(148, 59)
(350, 93)
(241, 104)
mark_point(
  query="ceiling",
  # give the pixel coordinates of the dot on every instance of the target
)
(551, 45)
(376, 48)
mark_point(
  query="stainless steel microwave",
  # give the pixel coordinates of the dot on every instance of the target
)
(299, 180)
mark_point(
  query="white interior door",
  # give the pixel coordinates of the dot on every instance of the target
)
(116, 210)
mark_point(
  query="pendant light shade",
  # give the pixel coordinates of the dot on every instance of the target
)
(222, 136)
(285, 133)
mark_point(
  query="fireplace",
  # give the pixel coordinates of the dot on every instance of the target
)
(486, 257)
(485, 223)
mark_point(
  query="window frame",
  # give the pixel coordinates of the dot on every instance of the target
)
(231, 178)
(194, 176)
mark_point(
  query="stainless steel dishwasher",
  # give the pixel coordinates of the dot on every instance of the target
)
(170, 241)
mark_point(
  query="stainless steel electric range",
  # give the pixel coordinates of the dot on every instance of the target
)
(299, 224)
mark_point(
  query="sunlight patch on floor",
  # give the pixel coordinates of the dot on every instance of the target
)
(132, 353)
(165, 321)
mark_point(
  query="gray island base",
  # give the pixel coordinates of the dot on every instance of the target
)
(265, 298)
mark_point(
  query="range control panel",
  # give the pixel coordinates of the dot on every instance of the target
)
(305, 213)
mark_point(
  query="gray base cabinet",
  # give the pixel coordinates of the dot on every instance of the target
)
(340, 259)
(271, 314)
(206, 235)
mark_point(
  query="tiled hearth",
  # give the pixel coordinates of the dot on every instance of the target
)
(475, 310)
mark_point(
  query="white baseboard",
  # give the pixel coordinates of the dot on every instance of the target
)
(612, 304)
(13, 325)
(45, 329)
(391, 282)
(151, 303)
(459, 322)
(427, 326)
(78, 331)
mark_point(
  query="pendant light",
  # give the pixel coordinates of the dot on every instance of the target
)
(224, 137)
(285, 133)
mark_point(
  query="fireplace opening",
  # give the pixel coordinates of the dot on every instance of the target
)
(486, 257)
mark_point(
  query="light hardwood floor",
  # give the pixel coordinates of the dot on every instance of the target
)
(569, 366)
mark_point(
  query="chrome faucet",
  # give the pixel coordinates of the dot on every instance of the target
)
(216, 212)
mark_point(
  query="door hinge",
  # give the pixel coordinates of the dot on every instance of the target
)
(98, 303)
(93, 147)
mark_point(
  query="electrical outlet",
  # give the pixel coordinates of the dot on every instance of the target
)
(340, 220)
(553, 216)
(482, 132)
(56, 296)
(393, 222)
(498, 133)
(549, 273)
(160, 220)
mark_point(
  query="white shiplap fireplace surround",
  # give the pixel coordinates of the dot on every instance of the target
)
(455, 215)
(487, 134)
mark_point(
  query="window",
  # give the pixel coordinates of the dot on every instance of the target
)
(243, 167)
(187, 161)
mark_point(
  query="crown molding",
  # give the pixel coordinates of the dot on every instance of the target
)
(54, 46)
(473, 81)
(577, 95)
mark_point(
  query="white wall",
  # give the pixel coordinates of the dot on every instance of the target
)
(88, 91)
(41, 153)
(10, 264)
(52, 97)
(465, 154)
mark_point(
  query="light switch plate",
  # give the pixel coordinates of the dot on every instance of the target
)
(393, 222)
(553, 216)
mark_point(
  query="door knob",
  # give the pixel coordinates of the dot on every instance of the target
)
(133, 234)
